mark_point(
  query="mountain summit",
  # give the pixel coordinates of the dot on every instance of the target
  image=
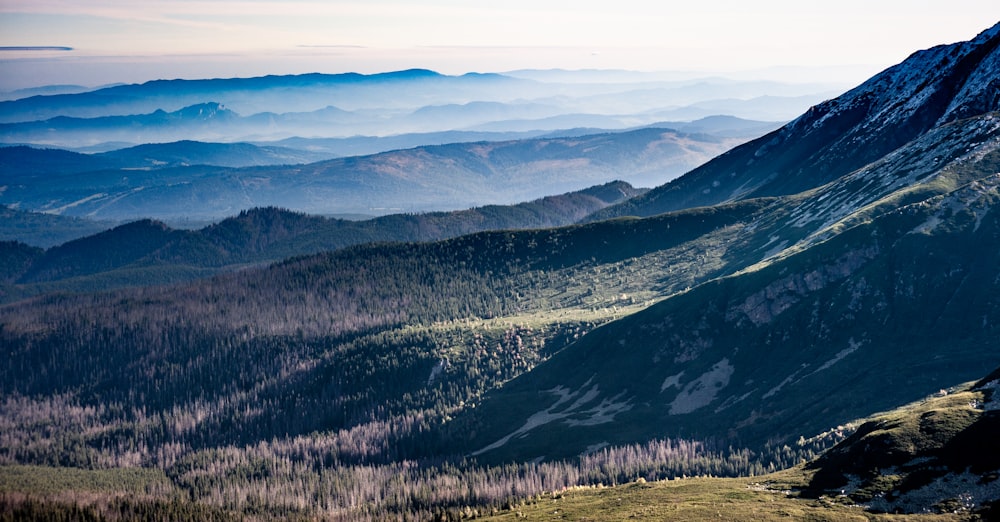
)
(929, 89)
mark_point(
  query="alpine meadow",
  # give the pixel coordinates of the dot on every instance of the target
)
(535, 295)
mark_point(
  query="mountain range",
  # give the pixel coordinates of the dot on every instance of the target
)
(756, 313)
(168, 182)
(415, 102)
(161, 254)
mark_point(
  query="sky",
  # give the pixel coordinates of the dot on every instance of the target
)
(100, 42)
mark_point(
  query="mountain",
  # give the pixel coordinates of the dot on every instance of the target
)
(885, 266)
(256, 95)
(15, 258)
(717, 126)
(159, 254)
(456, 378)
(726, 126)
(432, 178)
(931, 88)
(203, 119)
(415, 102)
(740, 356)
(186, 152)
(212, 122)
(19, 163)
(101, 252)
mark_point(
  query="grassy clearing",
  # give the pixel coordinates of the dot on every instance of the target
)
(760, 499)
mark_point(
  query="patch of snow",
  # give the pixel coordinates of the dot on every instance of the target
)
(794, 377)
(60, 210)
(594, 448)
(734, 400)
(573, 415)
(703, 390)
(436, 371)
(673, 381)
(927, 226)
(603, 413)
(852, 347)
(775, 250)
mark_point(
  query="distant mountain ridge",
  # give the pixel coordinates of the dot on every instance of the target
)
(187, 152)
(271, 234)
(148, 96)
(414, 102)
(441, 177)
(23, 162)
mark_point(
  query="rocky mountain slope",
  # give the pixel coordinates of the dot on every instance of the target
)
(929, 89)
(933, 459)
(934, 456)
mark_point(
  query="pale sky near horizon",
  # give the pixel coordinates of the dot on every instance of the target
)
(129, 41)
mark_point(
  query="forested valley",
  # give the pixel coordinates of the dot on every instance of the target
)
(330, 384)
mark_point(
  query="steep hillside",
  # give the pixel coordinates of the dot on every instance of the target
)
(934, 458)
(909, 283)
(348, 362)
(931, 88)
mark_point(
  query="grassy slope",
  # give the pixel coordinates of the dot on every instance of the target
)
(695, 499)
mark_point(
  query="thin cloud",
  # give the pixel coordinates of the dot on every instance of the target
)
(16, 48)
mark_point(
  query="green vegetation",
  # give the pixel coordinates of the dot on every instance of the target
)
(694, 499)
(43, 480)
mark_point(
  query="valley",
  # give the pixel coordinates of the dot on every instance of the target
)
(812, 313)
